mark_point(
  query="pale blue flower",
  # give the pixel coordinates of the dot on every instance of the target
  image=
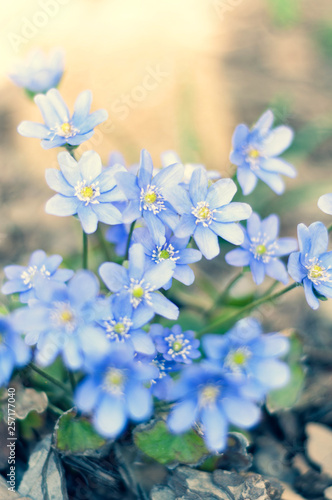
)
(60, 127)
(207, 212)
(256, 153)
(174, 249)
(312, 265)
(39, 72)
(42, 272)
(140, 284)
(86, 189)
(149, 196)
(262, 248)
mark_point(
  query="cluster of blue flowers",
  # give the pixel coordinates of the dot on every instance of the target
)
(156, 215)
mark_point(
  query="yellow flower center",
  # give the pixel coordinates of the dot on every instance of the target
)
(239, 358)
(150, 197)
(260, 249)
(114, 377)
(316, 272)
(66, 128)
(209, 395)
(87, 192)
(119, 328)
(66, 316)
(164, 254)
(177, 346)
(138, 292)
(203, 213)
(254, 153)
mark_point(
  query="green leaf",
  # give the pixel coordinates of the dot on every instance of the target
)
(286, 397)
(75, 435)
(157, 442)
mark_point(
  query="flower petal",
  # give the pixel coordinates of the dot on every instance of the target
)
(88, 218)
(221, 193)
(113, 275)
(62, 205)
(324, 203)
(207, 241)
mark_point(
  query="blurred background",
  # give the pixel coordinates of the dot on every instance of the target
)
(172, 75)
(180, 75)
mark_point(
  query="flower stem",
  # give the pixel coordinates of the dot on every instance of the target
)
(85, 251)
(104, 244)
(220, 299)
(71, 150)
(55, 409)
(250, 307)
(131, 230)
(329, 229)
(72, 380)
(48, 377)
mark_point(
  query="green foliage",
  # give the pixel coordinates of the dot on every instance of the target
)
(169, 449)
(75, 435)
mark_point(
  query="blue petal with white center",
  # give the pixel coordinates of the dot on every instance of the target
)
(256, 152)
(60, 128)
(38, 278)
(312, 265)
(116, 392)
(86, 189)
(149, 196)
(262, 248)
(206, 396)
(176, 345)
(248, 354)
(139, 284)
(64, 324)
(174, 250)
(207, 212)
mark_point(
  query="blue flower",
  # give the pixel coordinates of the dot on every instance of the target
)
(116, 317)
(325, 203)
(207, 212)
(42, 272)
(139, 285)
(162, 384)
(175, 345)
(13, 351)
(256, 152)
(262, 248)
(116, 392)
(39, 72)
(174, 249)
(149, 196)
(60, 128)
(206, 396)
(248, 354)
(312, 265)
(86, 189)
(65, 324)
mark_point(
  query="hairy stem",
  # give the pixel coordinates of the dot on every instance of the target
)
(221, 298)
(129, 239)
(250, 307)
(48, 377)
(85, 251)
